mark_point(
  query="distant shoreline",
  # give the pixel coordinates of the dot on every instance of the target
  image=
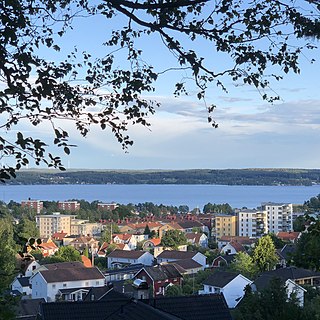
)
(250, 177)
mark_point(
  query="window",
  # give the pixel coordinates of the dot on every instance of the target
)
(97, 283)
(53, 286)
(64, 285)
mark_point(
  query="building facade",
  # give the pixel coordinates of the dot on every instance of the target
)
(252, 223)
(279, 216)
(69, 205)
(225, 225)
(33, 204)
(52, 223)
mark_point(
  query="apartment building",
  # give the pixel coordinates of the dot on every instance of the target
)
(84, 227)
(225, 225)
(69, 205)
(107, 206)
(32, 204)
(279, 216)
(252, 223)
(52, 223)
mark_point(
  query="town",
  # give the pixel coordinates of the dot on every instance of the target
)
(221, 263)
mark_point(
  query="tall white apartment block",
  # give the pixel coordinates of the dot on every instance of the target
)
(252, 223)
(279, 216)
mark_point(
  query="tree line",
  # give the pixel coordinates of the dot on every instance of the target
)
(200, 176)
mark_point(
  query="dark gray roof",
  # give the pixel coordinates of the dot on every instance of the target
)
(64, 265)
(202, 307)
(187, 264)
(102, 293)
(24, 281)
(71, 274)
(205, 307)
(228, 257)
(175, 254)
(284, 274)
(133, 268)
(163, 272)
(28, 307)
(126, 254)
(287, 251)
(71, 290)
(220, 278)
(124, 309)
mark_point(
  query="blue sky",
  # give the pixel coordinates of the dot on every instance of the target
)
(252, 133)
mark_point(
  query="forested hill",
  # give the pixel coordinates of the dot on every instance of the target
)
(203, 176)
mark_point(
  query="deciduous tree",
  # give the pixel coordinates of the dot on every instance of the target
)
(173, 239)
(257, 40)
(244, 264)
(264, 254)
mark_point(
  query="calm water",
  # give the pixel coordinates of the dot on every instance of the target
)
(191, 195)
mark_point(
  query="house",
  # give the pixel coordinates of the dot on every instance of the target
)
(131, 240)
(22, 285)
(246, 242)
(83, 242)
(58, 237)
(232, 247)
(121, 258)
(138, 228)
(28, 267)
(297, 277)
(48, 248)
(123, 273)
(231, 285)
(222, 261)
(187, 266)
(27, 309)
(160, 277)
(289, 236)
(198, 239)
(166, 308)
(285, 255)
(103, 250)
(150, 244)
(191, 225)
(174, 255)
(58, 280)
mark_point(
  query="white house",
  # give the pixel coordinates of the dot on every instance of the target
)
(298, 291)
(30, 267)
(121, 258)
(232, 286)
(22, 285)
(199, 239)
(232, 247)
(174, 255)
(48, 283)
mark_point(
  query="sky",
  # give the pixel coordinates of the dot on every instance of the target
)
(252, 133)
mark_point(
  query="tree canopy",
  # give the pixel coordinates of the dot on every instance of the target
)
(173, 239)
(264, 254)
(258, 41)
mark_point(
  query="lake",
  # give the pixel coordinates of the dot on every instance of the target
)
(191, 195)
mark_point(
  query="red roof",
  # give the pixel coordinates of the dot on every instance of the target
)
(291, 235)
(59, 235)
(237, 246)
(122, 236)
(86, 261)
(155, 241)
